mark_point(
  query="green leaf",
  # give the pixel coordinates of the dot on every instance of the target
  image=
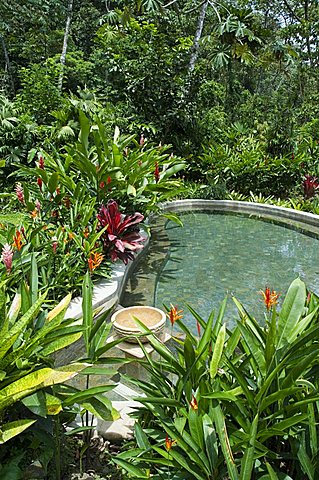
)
(221, 430)
(140, 437)
(196, 427)
(131, 190)
(28, 384)
(291, 311)
(247, 462)
(218, 352)
(83, 396)
(272, 474)
(87, 293)
(53, 182)
(211, 445)
(85, 130)
(60, 343)
(11, 429)
(130, 468)
(9, 338)
(34, 279)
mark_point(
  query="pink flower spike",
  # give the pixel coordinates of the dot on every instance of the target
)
(19, 192)
(6, 257)
(38, 205)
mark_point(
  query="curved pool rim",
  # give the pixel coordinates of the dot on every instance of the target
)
(306, 220)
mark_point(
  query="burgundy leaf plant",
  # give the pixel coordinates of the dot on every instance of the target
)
(121, 238)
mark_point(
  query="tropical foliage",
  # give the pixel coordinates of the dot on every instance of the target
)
(232, 404)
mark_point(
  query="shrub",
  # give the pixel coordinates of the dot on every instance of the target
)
(239, 404)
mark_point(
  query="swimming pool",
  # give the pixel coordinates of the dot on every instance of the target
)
(216, 254)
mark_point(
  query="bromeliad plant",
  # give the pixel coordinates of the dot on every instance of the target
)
(121, 237)
(238, 405)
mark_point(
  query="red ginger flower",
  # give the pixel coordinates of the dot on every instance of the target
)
(41, 163)
(39, 182)
(270, 297)
(6, 256)
(19, 192)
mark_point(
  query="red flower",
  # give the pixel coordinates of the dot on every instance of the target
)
(39, 182)
(41, 163)
(169, 443)
(19, 192)
(193, 403)
(157, 173)
(17, 242)
(270, 297)
(310, 186)
(198, 327)
(95, 260)
(102, 184)
(174, 314)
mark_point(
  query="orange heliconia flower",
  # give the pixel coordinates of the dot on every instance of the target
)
(270, 297)
(86, 232)
(17, 241)
(193, 403)
(174, 314)
(95, 260)
(169, 443)
(34, 213)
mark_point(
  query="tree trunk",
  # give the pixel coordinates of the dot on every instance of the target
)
(198, 35)
(65, 42)
(7, 62)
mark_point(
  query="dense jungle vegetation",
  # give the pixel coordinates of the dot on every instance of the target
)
(232, 85)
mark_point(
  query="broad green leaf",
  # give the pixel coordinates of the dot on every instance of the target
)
(247, 463)
(291, 311)
(130, 468)
(44, 377)
(60, 308)
(195, 423)
(85, 130)
(221, 430)
(60, 343)
(11, 429)
(10, 337)
(140, 437)
(53, 182)
(211, 444)
(80, 397)
(272, 473)
(217, 352)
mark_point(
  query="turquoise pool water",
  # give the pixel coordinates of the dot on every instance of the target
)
(217, 254)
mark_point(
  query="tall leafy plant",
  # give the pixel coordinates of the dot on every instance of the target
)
(240, 404)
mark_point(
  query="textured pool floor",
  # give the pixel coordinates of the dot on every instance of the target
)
(213, 255)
